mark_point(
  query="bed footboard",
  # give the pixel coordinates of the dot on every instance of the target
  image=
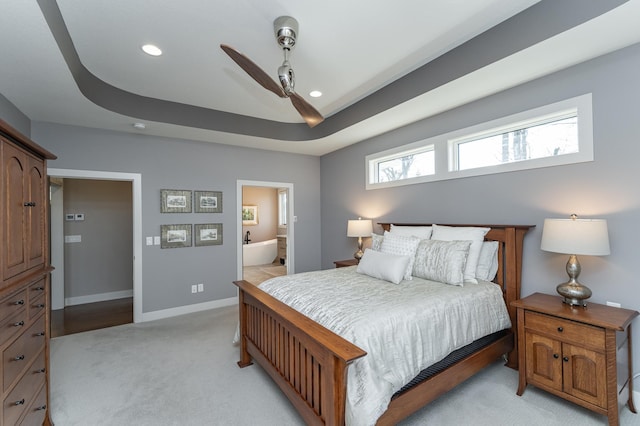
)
(307, 361)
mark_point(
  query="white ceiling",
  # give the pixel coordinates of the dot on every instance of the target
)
(346, 49)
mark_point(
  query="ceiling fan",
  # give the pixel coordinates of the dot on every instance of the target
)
(286, 30)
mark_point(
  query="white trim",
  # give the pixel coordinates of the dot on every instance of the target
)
(188, 309)
(290, 226)
(100, 297)
(443, 160)
(136, 179)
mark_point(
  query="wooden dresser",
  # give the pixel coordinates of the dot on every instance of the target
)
(24, 280)
(573, 352)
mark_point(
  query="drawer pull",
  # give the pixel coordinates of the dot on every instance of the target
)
(556, 356)
(39, 305)
(18, 324)
(560, 329)
(39, 289)
(42, 370)
(40, 408)
(19, 358)
(30, 204)
(565, 359)
(21, 402)
(19, 302)
(39, 334)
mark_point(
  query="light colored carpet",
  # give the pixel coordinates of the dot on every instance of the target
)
(182, 371)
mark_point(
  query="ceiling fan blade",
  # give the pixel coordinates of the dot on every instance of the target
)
(309, 113)
(253, 70)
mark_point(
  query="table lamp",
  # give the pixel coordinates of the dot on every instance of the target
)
(359, 228)
(575, 237)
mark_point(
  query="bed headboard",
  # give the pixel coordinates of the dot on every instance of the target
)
(510, 239)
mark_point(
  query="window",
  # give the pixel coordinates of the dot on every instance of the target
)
(552, 135)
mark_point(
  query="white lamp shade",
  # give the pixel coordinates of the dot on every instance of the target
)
(576, 236)
(359, 228)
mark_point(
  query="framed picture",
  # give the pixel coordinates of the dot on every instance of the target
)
(208, 234)
(175, 201)
(207, 201)
(175, 236)
(249, 215)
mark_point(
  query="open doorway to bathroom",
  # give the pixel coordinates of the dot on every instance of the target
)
(265, 230)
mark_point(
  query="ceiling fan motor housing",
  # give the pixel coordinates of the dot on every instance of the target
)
(286, 30)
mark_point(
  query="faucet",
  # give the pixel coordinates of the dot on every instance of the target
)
(246, 237)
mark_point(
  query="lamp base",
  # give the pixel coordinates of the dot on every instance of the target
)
(574, 293)
(358, 255)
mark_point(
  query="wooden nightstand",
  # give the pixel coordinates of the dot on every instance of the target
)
(571, 351)
(345, 263)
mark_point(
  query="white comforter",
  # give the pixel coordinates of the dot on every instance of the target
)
(403, 328)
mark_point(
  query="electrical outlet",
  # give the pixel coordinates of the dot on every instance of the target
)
(614, 304)
(149, 241)
(200, 288)
(194, 288)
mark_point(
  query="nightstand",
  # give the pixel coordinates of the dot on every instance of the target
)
(572, 352)
(345, 263)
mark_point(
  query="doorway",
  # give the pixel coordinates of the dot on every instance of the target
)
(265, 230)
(105, 304)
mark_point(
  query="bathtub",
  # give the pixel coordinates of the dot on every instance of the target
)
(260, 253)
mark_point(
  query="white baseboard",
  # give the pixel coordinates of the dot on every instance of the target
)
(101, 297)
(188, 309)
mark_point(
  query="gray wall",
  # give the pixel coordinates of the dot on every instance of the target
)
(15, 117)
(606, 188)
(164, 163)
(102, 261)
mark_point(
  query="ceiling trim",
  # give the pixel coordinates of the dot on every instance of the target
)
(533, 25)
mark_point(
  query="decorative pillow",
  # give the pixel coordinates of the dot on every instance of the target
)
(475, 235)
(422, 232)
(401, 245)
(487, 261)
(442, 261)
(376, 241)
(383, 266)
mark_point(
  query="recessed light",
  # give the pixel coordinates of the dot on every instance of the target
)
(152, 50)
(315, 93)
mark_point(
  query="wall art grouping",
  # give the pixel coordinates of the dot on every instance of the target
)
(176, 236)
(186, 201)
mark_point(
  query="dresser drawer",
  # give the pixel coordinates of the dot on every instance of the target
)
(12, 304)
(38, 409)
(9, 327)
(20, 353)
(23, 393)
(564, 330)
(36, 304)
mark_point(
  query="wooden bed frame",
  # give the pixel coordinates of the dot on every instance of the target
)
(309, 362)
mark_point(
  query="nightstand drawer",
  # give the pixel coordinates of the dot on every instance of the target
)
(565, 330)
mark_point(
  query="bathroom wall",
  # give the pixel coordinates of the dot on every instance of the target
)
(267, 201)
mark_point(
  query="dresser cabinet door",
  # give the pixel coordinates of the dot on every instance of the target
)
(585, 374)
(35, 213)
(543, 361)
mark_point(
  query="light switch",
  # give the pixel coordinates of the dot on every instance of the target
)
(149, 241)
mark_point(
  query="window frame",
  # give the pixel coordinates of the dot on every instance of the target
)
(444, 145)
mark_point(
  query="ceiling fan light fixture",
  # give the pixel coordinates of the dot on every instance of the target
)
(151, 50)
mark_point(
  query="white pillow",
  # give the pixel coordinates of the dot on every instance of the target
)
(383, 266)
(442, 261)
(401, 245)
(422, 232)
(487, 261)
(475, 235)
(376, 241)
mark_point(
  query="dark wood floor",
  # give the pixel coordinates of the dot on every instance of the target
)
(91, 316)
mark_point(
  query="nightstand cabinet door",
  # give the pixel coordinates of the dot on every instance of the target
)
(544, 361)
(585, 374)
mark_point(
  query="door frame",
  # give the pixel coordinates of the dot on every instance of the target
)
(136, 183)
(290, 220)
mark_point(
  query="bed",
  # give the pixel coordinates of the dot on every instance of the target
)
(310, 363)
